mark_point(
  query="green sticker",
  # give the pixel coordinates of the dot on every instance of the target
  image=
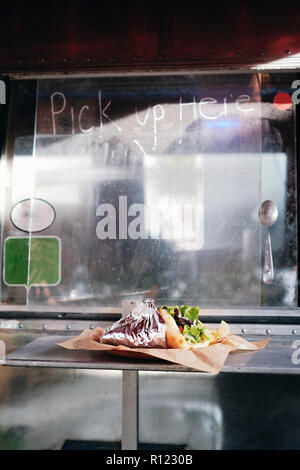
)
(34, 261)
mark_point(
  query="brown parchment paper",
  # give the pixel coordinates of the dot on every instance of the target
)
(209, 359)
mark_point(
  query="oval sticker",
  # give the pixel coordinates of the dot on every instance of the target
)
(32, 215)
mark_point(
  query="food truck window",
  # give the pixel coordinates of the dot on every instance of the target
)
(121, 188)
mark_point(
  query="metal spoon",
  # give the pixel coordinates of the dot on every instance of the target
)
(268, 214)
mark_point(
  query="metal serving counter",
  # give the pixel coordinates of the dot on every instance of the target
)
(278, 357)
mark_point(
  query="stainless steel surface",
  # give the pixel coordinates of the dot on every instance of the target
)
(61, 309)
(6, 168)
(278, 357)
(130, 410)
(182, 410)
(144, 72)
(64, 326)
(268, 214)
(44, 352)
(2, 352)
(41, 407)
(212, 319)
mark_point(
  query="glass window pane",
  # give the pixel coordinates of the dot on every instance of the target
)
(150, 186)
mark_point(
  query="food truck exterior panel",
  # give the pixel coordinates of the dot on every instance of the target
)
(138, 143)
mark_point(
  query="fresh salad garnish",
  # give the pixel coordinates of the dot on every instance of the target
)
(186, 318)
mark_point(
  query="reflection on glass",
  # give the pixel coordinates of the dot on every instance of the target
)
(174, 200)
(156, 184)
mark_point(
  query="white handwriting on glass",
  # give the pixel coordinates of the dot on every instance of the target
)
(207, 108)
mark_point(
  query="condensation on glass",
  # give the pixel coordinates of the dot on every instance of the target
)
(149, 186)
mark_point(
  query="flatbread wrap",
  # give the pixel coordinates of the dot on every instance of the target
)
(176, 327)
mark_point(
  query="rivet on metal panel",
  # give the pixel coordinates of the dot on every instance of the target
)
(44, 327)
(112, 59)
(21, 325)
(135, 57)
(243, 330)
(287, 52)
(268, 332)
(213, 54)
(66, 59)
(160, 57)
(43, 60)
(92, 327)
(89, 59)
(237, 54)
(68, 327)
(188, 55)
(261, 53)
(294, 332)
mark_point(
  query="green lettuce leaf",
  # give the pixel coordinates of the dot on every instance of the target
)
(194, 333)
(189, 312)
(185, 310)
(169, 309)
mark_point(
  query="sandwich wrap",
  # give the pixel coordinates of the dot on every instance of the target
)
(151, 334)
(168, 327)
